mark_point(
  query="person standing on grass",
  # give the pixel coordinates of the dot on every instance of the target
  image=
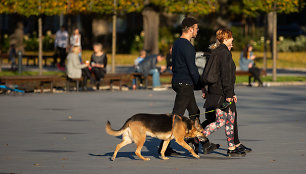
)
(61, 43)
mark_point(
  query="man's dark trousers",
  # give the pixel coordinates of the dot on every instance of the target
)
(185, 99)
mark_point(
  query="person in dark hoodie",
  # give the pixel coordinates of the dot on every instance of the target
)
(223, 91)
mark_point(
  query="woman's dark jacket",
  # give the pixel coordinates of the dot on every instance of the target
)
(99, 60)
(224, 87)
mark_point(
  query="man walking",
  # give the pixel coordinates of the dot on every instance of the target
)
(185, 73)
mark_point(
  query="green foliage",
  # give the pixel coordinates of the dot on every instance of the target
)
(33, 7)
(4, 43)
(137, 43)
(48, 42)
(31, 43)
(289, 45)
(166, 38)
(199, 7)
(257, 39)
(282, 6)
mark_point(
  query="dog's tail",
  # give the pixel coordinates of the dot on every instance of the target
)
(113, 132)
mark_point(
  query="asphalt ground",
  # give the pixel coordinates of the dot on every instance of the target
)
(64, 133)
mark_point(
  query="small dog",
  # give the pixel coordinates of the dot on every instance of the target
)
(162, 126)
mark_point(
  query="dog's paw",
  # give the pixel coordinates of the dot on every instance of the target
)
(146, 159)
(164, 158)
(197, 156)
(113, 158)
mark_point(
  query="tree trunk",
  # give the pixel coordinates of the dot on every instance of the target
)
(40, 44)
(150, 25)
(114, 38)
(274, 45)
(253, 28)
(265, 44)
(270, 29)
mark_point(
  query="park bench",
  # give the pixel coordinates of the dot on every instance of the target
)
(111, 78)
(2, 57)
(108, 78)
(140, 78)
(247, 73)
(27, 80)
(76, 80)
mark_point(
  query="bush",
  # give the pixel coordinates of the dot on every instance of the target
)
(290, 45)
(4, 43)
(137, 43)
(240, 40)
(31, 43)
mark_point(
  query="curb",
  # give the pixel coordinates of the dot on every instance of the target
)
(268, 84)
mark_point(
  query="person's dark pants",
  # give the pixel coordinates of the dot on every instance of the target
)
(86, 75)
(61, 52)
(185, 99)
(256, 74)
(211, 117)
(99, 73)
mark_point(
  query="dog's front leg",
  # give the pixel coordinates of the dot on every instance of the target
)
(162, 152)
(186, 146)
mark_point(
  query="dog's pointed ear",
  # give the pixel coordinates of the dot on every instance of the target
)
(197, 123)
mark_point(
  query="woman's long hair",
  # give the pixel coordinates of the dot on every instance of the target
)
(246, 51)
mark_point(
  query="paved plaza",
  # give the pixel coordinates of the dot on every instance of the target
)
(64, 133)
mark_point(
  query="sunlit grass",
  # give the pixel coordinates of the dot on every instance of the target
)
(285, 59)
(30, 73)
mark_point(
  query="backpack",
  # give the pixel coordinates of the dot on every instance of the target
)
(210, 74)
(200, 61)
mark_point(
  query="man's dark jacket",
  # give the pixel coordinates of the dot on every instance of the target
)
(147, 64)
(224, 88)
(183, 63)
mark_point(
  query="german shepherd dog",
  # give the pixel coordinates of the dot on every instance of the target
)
(162, 126)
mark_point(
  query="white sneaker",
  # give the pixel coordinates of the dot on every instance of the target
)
(160, 88)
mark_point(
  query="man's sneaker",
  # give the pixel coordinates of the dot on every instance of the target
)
(209, 147)
(242, 148)
(235, 153)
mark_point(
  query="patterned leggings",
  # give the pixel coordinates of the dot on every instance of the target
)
(223, 118)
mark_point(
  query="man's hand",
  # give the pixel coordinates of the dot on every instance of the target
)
(203, 93)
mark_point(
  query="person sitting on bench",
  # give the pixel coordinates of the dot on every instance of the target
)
(247, 64)
(148, 66)
(75, 69)
(98, 62)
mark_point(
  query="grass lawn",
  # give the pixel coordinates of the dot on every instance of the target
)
(285, 60)
(30, 73)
